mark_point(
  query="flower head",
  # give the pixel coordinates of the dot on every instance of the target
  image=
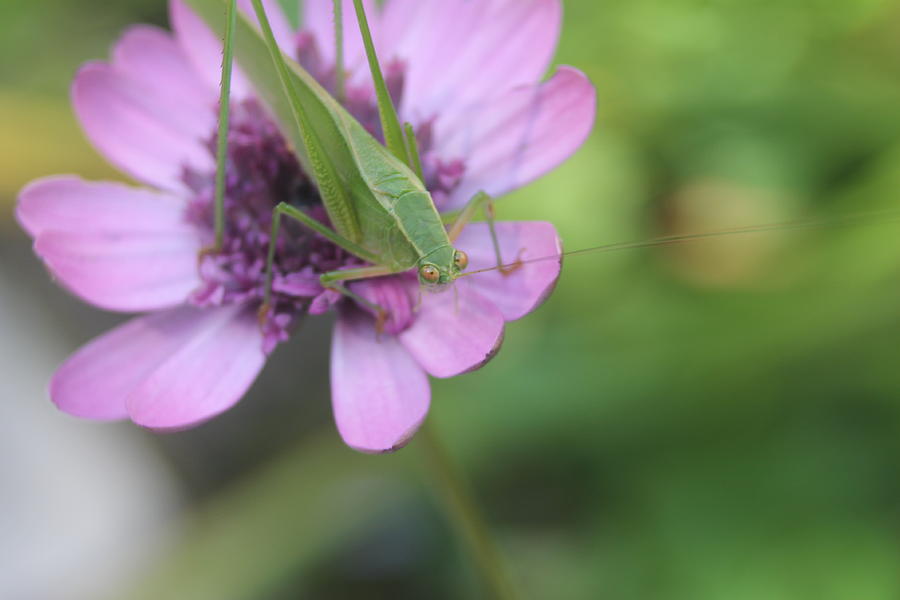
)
(465, 74)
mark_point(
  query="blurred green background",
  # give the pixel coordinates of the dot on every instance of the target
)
(705, 421)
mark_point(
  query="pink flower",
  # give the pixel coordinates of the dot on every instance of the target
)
(466, 74)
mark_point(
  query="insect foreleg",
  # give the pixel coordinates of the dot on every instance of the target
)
(466, 215)
(485, 202)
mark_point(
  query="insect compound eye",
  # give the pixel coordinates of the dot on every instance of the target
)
(430, 273)
(461, 260)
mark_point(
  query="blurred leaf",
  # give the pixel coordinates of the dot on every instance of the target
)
(271, 528)
(40, 137)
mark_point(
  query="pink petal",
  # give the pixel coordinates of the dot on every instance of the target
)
(145, 272)
(94, 382)
(69, 203)
(213, 359)
(153, 58)
(177, 352)
(454, 331)
(118, 247)
(140, 129)
(379, 394)
(515, 139)
(463, 51)
(281, 27)
(525, 288)
(318, 19)
(204, 50)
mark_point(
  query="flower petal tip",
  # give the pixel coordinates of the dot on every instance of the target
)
(498, 344)
(28, 202)
(581, 84)
(455, 332)
(528, 285)
(176, 428)
(401, 442)
(74, 399)
(513, 139)
(380, 396)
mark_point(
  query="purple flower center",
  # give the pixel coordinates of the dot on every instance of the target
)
(261, 172)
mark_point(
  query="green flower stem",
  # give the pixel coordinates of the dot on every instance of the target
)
(454, 492)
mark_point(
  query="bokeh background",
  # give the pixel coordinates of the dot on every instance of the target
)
(704, 421)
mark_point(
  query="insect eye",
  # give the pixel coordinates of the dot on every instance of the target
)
(430, 273)
(461, 260)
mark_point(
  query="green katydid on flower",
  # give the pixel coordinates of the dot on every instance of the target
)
(466, 75)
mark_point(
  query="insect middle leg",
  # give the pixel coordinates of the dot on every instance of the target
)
(331, 280)
(485, 202)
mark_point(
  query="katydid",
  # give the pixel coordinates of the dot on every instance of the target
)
(378, 206)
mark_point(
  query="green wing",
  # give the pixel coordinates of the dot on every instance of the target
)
(349, 164)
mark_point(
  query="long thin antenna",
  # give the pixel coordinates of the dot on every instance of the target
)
(875, 217)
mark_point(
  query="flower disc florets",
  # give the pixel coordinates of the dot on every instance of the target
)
(263, 171)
